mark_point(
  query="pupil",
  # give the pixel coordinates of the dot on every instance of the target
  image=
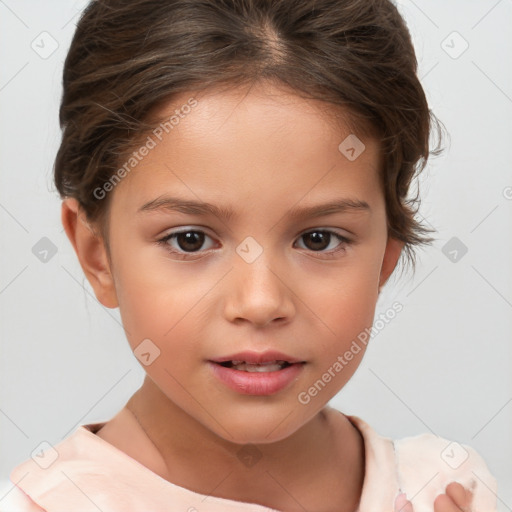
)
(317, 236)
(193, 238)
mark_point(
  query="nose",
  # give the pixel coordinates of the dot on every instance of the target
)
(258, 293)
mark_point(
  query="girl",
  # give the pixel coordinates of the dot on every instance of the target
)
(234, 176)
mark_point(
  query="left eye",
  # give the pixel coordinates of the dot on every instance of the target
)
(318, 238)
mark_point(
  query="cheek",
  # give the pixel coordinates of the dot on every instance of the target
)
(345, 317)
(348, 293)
(344, 307)
(159, 300)
(345, 325)
(159, 320)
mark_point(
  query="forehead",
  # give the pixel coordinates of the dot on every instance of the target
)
(259, 142)
(274, 104)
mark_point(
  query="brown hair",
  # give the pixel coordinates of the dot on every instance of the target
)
(128, 57)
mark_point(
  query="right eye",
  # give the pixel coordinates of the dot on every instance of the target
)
(187, 241)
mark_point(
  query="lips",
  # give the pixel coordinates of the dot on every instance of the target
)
(261, 358)
(257, 373)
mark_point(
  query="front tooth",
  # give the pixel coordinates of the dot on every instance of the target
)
(266, 367)
(237, 362)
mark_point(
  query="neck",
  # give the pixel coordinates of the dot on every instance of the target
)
(276, 475)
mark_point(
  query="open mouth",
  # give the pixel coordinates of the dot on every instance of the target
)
(264, 375)
(269, 366)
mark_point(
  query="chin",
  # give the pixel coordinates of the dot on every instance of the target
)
(245, 426)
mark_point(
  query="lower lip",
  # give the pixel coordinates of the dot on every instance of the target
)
(256, 383)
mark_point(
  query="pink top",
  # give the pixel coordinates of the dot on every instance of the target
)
(90, 475)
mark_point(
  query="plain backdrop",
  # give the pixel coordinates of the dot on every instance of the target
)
(442, 365)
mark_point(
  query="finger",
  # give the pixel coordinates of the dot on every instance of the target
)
(444, 503)
(459, 495)
(402, 504)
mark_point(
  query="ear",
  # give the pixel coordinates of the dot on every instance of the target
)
(391, 255)
(90, 249)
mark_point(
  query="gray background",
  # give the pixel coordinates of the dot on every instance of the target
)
(443, 365)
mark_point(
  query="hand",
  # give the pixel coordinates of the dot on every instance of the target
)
(456, 499)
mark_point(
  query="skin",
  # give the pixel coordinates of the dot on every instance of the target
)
(261, 152)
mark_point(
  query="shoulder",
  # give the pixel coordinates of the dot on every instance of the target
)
(13, 499)
(45, 481)
(422, 466)
(427, 463)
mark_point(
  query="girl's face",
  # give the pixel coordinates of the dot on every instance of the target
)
(267, 277)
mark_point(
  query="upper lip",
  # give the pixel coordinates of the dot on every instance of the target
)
(258, 357)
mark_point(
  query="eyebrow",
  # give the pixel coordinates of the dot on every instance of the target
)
(187, 206)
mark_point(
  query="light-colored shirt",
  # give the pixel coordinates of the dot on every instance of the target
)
(90, 475)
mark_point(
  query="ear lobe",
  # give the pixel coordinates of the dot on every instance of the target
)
(391, 255)
(90, 249)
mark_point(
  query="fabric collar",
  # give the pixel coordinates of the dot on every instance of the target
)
(90, 474)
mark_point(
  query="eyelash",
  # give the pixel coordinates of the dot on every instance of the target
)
(185, 255)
